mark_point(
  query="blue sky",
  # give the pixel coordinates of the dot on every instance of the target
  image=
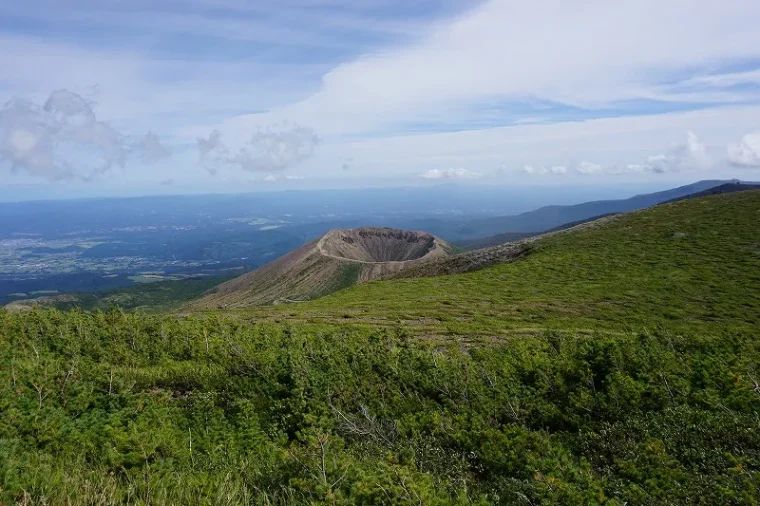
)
(303, 93)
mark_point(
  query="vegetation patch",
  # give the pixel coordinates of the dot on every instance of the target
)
(613, 365)
(114, 408)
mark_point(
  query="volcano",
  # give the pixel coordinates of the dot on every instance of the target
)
(338, 259)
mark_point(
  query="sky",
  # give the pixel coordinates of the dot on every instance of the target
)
(172, 95)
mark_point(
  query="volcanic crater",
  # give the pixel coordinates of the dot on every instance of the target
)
(380, 245)
(338, 259)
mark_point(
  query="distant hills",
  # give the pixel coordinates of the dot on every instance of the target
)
(732, 187)
(549, 217)
(556, 217)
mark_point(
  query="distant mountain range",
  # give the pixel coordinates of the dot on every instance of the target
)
(550, 217)
(732, 187)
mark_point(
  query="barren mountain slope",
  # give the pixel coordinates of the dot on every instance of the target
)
(338, 259)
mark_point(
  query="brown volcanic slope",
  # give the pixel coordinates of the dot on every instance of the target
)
(338, 259)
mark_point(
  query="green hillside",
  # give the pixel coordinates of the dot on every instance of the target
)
(612, 365)
(159, 296)
(692, 265)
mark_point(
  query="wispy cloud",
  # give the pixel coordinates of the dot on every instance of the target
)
(507, 50)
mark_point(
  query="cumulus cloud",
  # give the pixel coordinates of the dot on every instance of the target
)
(150, 148)
(746, 153)
(274, 178)
(211, 151)
(276, 149)
(451, 174)
(691, 155)
(64, 140)
(557, 170)
(588, 168)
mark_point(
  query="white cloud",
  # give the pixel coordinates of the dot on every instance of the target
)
(273, 178)
(587, 168)
(606, 142)
(692, 155)
(502, 51)
(746, 153)
(451, 174)
(559, 170)
(636, 168)
(151, 149)
(495, 63)
(64, 140)
(275, 149)
(556, 170)
(210, 150)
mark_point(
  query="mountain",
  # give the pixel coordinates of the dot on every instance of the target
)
(494, 240)
(336, 260)
(732, 187)
(499, 239)
(549, 217)
(692, 264)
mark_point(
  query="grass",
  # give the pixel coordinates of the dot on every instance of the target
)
(154, 297)
(115, 408)
(616, 365)
(689, 265)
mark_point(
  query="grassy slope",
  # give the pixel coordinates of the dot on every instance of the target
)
(155, 297)
(113, 408)
(688, 265)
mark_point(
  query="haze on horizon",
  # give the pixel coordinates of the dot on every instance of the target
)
(122, 98)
